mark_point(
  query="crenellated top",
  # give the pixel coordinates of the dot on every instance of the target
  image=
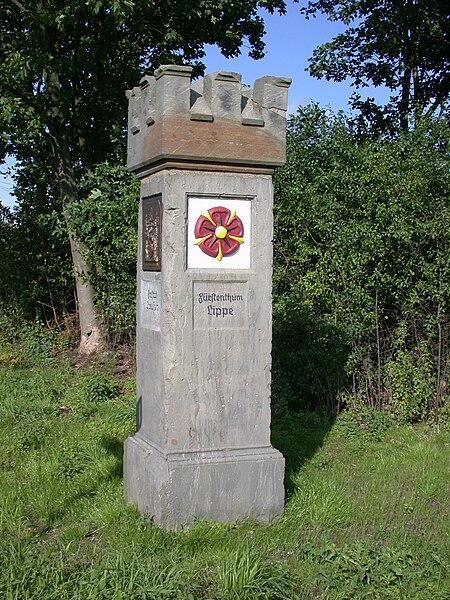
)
(213, 122)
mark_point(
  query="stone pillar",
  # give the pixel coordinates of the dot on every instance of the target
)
(205, 155)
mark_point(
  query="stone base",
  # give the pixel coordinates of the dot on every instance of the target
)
(217, 485)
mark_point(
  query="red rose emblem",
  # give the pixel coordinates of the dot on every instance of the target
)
(219, 232)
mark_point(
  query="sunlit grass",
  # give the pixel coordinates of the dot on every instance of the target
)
(365, 516)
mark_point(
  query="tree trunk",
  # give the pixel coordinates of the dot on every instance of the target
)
(91, 335)
(417, 96)
(92, 339)
(404, 102)
(406, 60)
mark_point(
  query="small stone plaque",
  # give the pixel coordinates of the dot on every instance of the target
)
(151, 305)
(220, 305)
(151, 233)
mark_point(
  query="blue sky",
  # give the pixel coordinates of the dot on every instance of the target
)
(290, 40)
(5, 186)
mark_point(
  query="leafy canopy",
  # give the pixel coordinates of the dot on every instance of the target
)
(64, 69)
(92, 51)
(401, 44)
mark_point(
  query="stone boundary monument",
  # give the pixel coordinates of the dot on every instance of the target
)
(205, 154)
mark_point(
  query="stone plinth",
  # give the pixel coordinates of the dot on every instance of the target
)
(204, 154)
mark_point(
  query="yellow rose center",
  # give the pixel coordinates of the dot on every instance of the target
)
(221, 232)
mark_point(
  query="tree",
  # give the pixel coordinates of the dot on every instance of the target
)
(401, 44)
(37, 273)
(64, 67)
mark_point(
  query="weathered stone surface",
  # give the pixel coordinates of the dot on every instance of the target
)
(208, 385)
(173, 84)
(202, 448)
(148, 107)
(272, 92)
(222, 91)
(171, 119)
(223, 486)
(204, 387)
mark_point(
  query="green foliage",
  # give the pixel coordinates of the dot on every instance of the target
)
(65, 530)
(361, 275)
(413, 384)
(64, 68)
(106, 222)
(244, 576)
(67, 576)
(35, 271)
(401, 45)
(309, 355)
(363, 424)
(23, 342)
(100, 388)
(362, 569)
(72, 461)
(443, 414)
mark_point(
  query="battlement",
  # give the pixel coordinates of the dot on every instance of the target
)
(213, 122)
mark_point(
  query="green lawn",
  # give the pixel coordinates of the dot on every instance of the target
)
(366, 510)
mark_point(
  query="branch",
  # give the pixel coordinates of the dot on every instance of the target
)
(16, 92)
(20, 6)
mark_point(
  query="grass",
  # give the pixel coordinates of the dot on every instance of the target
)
(366, 510)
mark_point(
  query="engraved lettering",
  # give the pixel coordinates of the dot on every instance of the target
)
(221, 305)
(219, 311)
(202, 297)
(151, 305)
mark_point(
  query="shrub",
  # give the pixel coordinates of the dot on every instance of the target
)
(105, 220)
(361, 270)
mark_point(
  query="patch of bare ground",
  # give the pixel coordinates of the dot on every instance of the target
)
(125, 365)
(122, 358)
(76, 555)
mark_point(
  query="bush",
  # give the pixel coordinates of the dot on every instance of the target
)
(361, 270)
(105, 220)
(36, 279)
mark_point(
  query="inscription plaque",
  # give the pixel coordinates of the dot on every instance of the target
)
(151, 233)
(151, 305)
(220, 305)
